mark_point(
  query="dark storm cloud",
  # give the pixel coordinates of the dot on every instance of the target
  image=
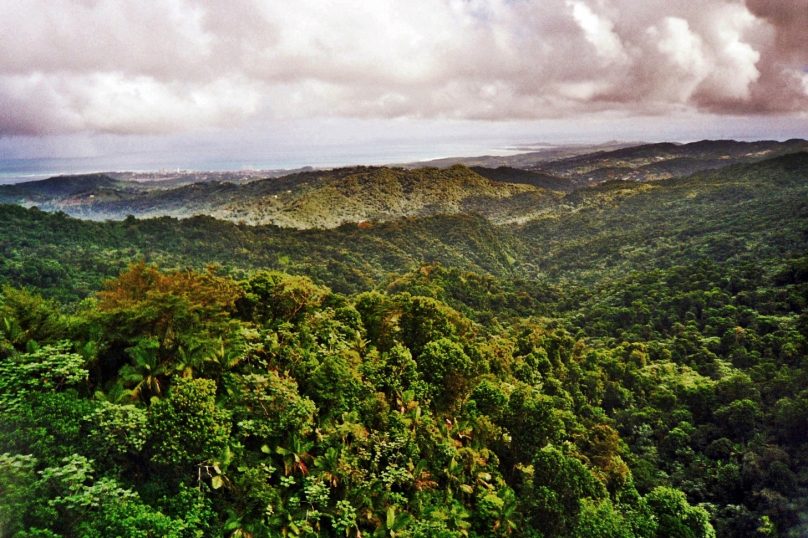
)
(128, 66)
(784, 62)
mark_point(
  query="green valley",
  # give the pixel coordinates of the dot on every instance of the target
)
(526, 349)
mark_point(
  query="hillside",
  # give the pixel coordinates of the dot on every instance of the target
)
(630, 363)
(384, 194)
(642, 339)
(586, 235)
(738, 211)
(508, 174)
(61, 188)
(323, 199)
(650, 162)
(512, 193)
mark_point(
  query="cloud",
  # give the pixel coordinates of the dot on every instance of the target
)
(113, 102)
(125, 66)
(599, 31)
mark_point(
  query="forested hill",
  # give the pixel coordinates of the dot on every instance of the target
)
(739, 212)
(650, 162)
(323, 199)
(734, 213)
(512, 193)
(630, 362)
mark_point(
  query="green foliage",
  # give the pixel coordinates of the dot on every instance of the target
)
(739, 418)
(489, 397)
(395, 373)
(675, 517)
(272, 296)
(18, 479)
(631, 364)
(26, 317)
(46, 369)
(560, 484)
(268, 407)
(66, 499)
(602, 520)
(424, 319)
(49, 426)
(447, 368)
(130, 518)
(186, 428)
(532, 421)
(335, 385)
(115, 432)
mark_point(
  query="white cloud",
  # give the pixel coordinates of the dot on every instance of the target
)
(123, 66)
(683, 56)
(599, 31)
(114, 103)
(734, 65)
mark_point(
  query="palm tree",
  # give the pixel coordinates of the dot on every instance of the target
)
(144, 377)
(191, 356)
(328, 465)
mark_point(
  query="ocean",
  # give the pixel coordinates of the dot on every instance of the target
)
(18, 170)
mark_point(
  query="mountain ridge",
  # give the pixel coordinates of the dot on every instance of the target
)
(330, 198)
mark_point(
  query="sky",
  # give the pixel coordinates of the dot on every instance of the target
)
(229, 84)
